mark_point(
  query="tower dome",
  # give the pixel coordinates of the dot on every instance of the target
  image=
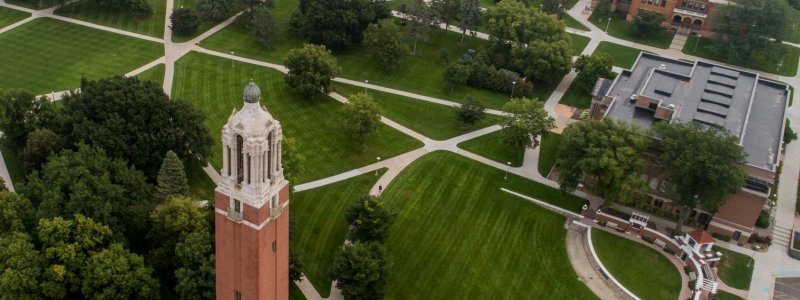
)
(252, 94)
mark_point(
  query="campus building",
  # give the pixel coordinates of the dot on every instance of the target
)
(252, 207)
(661, 89)
(685, 16)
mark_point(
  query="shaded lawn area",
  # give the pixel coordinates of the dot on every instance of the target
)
(621, 56)
(13, 163)
(321, 226)
(572, 23)
(10, 16)
(722, 295)
(213, 86)
(200, 185)
(32, 4)
(762, 62)
(651, 277)
(733, 269)
(576, 96)
(492, 147)
(794, 26)
(205, 25)
(87, 10)
(620, 28)
(457, 236)
(548, 152)
(579, 43)
(295, 293)
(155, 74)
(48, 55)
(436, 121)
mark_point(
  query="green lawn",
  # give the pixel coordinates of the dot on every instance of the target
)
(318, 215)
(576, 97)
(491, 146)
(622, 56)
(794, 26)
(620, 28)
(651, 277)
(48, 55)
(722, 295)
(457, 236)
(211, 84)
(548, 152)
(765, 63)
(32, 4)
(10, 16)
(200, 185)
(155, 74)
(87, 10)
(436, 121)
(295, 293)
(14, 165)
(204, 24)
(579, 43)
(572, 23)
(733, 269)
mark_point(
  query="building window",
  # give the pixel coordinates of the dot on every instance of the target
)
(653, 183)
(239, 159)
(274, 201)
(657, 2)
(663, 3)
(757, 184)
(249, 167)
(237, 206)
(229, 159)
(237, 295)
(659, 203)
(274, 246)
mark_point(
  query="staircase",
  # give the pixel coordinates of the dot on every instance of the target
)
(678, 41)
(781, 235)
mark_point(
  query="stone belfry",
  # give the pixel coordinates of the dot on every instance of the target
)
(252, 206)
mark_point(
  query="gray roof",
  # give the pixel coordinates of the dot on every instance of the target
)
(749, 107)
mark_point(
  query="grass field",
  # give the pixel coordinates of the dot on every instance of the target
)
(321, 227)
(10, 16)
(620, 28)
(295, 293)
(204, 24)
(794, 26)
(622, 56)
(87, 10)
(438, 122)
(733, 269)
(652, 277)
(722, 295)
(576, 97)
(200, 185)
(48, 55)
(579, 43)
(492, 147)
(458, 237)
(548, 152)
(765, 63)
(155, 74)
(211, 84)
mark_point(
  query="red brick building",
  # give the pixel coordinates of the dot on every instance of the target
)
(685, 16)
(252, 207)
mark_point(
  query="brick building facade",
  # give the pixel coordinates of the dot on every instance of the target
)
(684, 16)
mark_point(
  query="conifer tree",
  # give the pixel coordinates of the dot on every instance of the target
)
(171, 177)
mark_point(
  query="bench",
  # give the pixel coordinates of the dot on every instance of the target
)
(661, 244)
(612, 225)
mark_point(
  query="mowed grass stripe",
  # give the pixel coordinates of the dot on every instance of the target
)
(10, 16)
(215, 87)
(87, 10)
(48, 55)
(457, 236)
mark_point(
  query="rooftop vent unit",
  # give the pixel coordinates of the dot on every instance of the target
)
(662, 67)
(633, 98)
(671, 106)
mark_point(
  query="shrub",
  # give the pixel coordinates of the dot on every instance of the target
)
(602, 223)
(669, 250)
(487, 77)
(647, 23)
(184, 21)
(763, 219)
(471, 111)
(648, 239)
(721, 237)
(760, 239)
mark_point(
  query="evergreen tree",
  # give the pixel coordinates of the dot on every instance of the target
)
(470, 15)
(421, 18)
(172, 179)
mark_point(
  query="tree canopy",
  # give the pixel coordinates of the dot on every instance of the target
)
(646, 23)
(525, 122)
(196, 274)
(21, 267)
(171, 180)
(470, 15)
(171, 222)
(590, 68)
(184, 21)
(746, 28)
(361, 270)
(116, 273)
(311, 69)
(21, 113)
(387, 42)
(370, 221)
(16, 213)
(361, 118)
(338, 24)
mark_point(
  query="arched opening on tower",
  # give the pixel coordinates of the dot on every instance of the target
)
(239, 159)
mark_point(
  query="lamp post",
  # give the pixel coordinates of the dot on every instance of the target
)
(608, 23)
(376, 170)
(698, 42)
(751, 255)
(513, 85)
(233, 62)
(780, 64)
(365, 91)
(508, 166)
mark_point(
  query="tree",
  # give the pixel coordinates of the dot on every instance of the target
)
(67, 246)
(543, 61)
(360, 270)
(212, 10)
(21, 113)
(590, 68)
(456, 74)
(471, 111)
(116, 273)
(369, 220)
(339, 24)
(510, 21)
(647, 23)
(16, 213)
(41, 144)
(87, 181)
(788, 134)
(387, 42)
(171, 222)
(184, 21)
(196, 274)
(295, 265)
(361, 118)
(470, 15)
(420, 20)
(555, 7)
(311, 69)
(525, 121)
(745, 29)
(607, 155)
(21, 266)
(703, 174)
(445, 11)
(293, 162)
(134, 120)
(138, 8)
(172, 178)
(265, 27)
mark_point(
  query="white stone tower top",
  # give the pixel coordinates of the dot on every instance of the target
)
(251, 144)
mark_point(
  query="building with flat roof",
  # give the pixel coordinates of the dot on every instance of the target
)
(661, 89)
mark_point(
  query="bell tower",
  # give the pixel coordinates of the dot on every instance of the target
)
(252, 206)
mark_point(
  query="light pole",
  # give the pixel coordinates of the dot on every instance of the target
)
(513, 85)
(365, 91)
(698, 42)
(376, 170)
(608, 23)
(780, 64)
(233, 62)
(751, 256)
(508, 164)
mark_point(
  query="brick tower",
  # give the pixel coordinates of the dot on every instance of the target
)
(252, 206)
